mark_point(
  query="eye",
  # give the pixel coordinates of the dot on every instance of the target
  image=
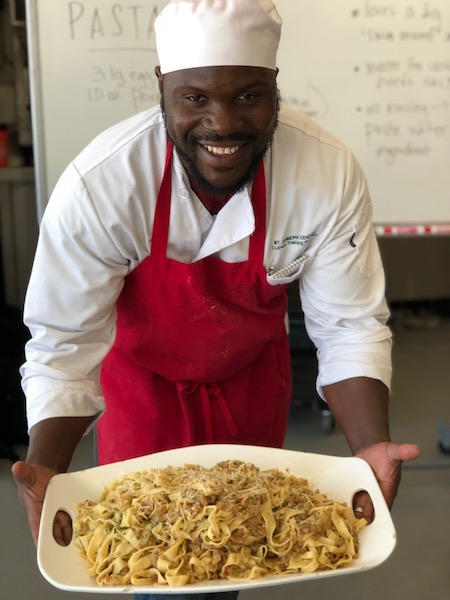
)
(195, 98)
(247, 96)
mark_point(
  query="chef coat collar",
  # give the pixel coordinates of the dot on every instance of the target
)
(234, 223)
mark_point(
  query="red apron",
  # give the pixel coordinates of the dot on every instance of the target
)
(201, 353)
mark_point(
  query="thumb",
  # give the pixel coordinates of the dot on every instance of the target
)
(402, 452)
(23, 473)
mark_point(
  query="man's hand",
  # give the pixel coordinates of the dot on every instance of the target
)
(52, 443)
(32, 481)
(386, 459)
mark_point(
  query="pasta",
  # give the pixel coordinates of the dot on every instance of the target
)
(181, 525)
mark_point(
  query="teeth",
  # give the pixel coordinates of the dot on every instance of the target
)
(221, 151)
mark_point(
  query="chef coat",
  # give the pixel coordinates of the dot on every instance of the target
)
(97, 229)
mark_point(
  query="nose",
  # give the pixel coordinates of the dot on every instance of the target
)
(223, 119)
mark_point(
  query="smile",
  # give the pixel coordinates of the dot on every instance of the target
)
(221, 151)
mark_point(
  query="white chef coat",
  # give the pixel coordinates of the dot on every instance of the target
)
(98, 226)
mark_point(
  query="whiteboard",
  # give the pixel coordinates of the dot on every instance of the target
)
(375, 73)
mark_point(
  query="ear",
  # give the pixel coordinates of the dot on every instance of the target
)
(160, 77)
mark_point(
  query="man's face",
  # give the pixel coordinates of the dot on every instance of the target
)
(221, 120)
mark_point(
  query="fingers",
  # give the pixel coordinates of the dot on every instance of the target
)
(363, 507)
(62, 528)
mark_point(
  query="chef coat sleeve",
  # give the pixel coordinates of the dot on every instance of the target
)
(343, 293)
(76, 278)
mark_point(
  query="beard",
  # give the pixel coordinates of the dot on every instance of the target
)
(193, 168)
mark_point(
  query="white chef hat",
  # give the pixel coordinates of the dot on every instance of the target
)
(209, 33)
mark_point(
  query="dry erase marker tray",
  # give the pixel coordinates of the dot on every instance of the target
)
(338, 477)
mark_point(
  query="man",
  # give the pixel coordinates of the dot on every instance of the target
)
(164, 257)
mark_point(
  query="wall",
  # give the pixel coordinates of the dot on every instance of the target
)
(417, 268)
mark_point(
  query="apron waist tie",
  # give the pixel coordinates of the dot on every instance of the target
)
(208, 392)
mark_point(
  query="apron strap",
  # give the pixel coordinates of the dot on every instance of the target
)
(161, 221)
(258, 238)
(208, 392)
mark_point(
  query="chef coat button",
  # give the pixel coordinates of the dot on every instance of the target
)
(184, 193)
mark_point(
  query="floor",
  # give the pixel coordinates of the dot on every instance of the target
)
(418, 569)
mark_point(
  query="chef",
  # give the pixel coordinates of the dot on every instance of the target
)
(157, 300)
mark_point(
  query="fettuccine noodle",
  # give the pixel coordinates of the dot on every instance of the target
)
(182, 525)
